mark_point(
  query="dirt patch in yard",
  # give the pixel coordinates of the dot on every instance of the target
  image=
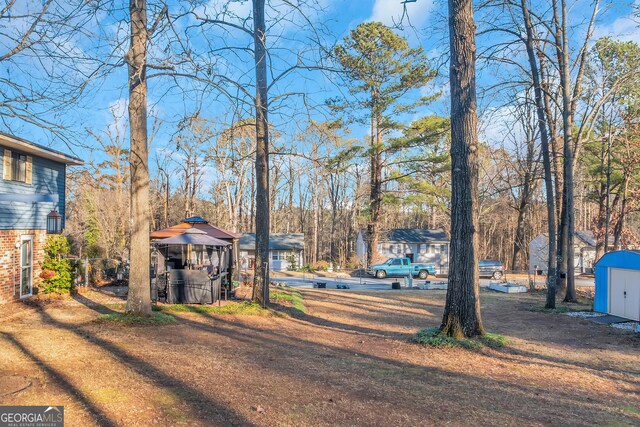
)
(348, 359)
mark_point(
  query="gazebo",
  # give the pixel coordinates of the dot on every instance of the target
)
(186, 269)
(229, 262)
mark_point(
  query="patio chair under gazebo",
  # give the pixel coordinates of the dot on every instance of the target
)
(230, 261)
(189, 268)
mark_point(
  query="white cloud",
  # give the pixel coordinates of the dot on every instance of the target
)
(624, 28)
(390, 12)
(500, 126)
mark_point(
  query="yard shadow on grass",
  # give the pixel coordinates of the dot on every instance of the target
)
(390, 375)
(405, 315)
(335, 364)
(59, 378)
(512, 354)
(93, 305)
(191, 397)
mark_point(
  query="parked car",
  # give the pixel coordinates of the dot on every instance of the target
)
(491, 268)
(401, 267)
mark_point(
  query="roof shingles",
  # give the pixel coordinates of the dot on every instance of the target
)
(411, 235)
(277, 242)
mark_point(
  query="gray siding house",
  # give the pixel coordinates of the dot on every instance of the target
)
(584, 252)
(32, 186)
(421, 245)
(283, 248)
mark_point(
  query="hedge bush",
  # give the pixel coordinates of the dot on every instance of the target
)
(57, 272)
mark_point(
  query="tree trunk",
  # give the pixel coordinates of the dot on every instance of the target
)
(567, 224)
(462, 309)
(556, 164)
(518, 241)
(261, 277)
(603, 206)
(166, 201)
(194, 185)
(252, 204)
(602, 202)
(617, 232)
(333, 249)
(139, 297)
(546, 158)
(607, 216)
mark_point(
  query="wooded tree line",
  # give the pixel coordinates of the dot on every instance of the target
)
(568, 158)
(320, 185)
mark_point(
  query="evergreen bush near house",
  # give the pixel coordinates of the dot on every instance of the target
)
(293, 262)
(57, 272)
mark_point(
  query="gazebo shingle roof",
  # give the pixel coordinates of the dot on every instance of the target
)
(201, 224)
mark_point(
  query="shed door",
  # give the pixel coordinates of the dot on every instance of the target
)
(624, 293)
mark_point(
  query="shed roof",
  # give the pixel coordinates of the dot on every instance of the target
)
(411, 235)
(624, 259)
(211, 230)
(13, 142)
(277, 241)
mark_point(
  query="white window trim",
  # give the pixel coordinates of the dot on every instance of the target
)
(23, 239)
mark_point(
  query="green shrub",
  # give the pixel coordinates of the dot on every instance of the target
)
(293, 262)
(57, 272)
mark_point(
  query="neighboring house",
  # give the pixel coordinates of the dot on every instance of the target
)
(283, 248)
(584, 252)
(32, 196)
(420, 245)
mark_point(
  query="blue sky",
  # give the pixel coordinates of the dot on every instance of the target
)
(424, 24)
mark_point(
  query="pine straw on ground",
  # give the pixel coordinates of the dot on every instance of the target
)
(348, 359)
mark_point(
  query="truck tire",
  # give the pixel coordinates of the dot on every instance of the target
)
(381, 274)
(497, 275)
(423, 274)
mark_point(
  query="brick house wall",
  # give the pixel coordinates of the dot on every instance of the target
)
(10, 261)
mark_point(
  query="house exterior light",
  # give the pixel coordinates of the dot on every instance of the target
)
(54, 222)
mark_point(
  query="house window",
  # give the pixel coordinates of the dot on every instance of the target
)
(279, 255)
(422, 248)
(18, 167)
(443, 249)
